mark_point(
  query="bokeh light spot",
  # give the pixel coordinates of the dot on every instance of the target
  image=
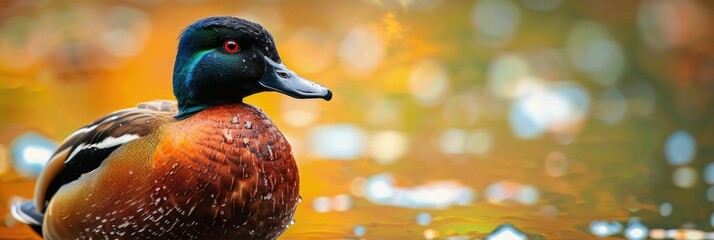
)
(30, 152)
(680, 148)
(423, 218)
(380, 189)
(542, 107)
(506, 232)
(361, 51)
(527, 195)
(340, 203)
(496, 21)
(665, 209)
(388, 146)
(431, 234)
(359, 230)
(502, 191)
(339, 141)
(602, 228)
(458, 141)
(321, 204)
(667, 24)
(357, 186)
(684, 177)
(522, 124)
(453, 141)
(479, 142)
(505, 72)
(591, 49)
(636, 231)
(428, 81)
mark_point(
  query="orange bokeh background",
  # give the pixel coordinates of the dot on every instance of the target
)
(549, 115)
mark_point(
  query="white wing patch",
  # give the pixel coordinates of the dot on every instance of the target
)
(105, 143)
(18, 214)
(111, 118)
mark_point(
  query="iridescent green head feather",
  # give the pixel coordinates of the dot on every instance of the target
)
(224, 59)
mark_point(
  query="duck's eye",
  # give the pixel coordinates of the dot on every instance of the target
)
(231, 46)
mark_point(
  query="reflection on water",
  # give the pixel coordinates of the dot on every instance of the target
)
(481, 119)
(506, 232)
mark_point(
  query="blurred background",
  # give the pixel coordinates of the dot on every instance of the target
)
(484, 119)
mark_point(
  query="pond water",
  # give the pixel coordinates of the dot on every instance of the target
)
(486, 119)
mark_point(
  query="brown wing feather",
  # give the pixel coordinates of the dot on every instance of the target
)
(85, 149)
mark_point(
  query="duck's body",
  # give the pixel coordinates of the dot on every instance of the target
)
(207, 167)
(223, 173)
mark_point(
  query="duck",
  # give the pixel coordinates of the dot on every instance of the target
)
(206, 166)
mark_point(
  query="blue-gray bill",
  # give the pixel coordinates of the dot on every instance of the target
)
(279, 78)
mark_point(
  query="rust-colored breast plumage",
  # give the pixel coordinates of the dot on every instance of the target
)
(224, 173)
(233, 168)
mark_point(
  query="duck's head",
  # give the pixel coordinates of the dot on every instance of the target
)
(224, 59)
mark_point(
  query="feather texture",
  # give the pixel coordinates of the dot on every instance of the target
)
(224, 173)
(85, 149)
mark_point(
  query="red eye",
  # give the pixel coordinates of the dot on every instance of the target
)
(231, 46)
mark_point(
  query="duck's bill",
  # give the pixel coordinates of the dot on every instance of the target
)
(279, 78)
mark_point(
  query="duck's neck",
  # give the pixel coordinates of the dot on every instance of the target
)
(186, 109)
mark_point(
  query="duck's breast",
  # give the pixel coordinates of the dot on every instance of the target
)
(229, 172)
